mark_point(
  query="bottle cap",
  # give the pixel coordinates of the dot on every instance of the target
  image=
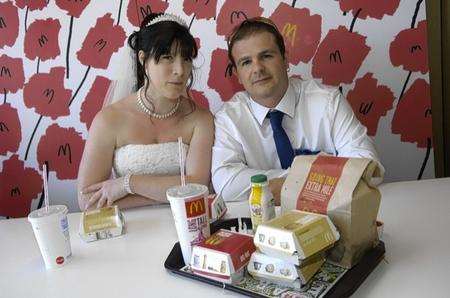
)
(259, 178)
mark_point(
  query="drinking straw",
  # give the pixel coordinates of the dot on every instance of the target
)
(44, 177)
(182, 161)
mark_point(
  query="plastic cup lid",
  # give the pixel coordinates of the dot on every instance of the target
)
(53, 210)
(187, 191)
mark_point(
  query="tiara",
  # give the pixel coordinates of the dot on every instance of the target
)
(167, 17)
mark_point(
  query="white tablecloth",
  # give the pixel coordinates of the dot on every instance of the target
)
(416, 233)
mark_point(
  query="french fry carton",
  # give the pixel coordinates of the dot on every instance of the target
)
(282, 272)
(296, 235)
(216, 207)
(101, 223)
(223, 256)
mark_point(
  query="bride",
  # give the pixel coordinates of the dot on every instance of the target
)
(136, 136)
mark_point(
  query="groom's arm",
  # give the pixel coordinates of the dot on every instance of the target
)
(230, 172)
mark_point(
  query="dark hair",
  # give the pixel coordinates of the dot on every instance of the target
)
(250, 27)
(157, 40)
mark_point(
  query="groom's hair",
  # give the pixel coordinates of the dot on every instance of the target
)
(250, 27)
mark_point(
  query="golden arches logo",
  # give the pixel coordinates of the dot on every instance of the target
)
(195, 207)
(214, 240)
(289, 32)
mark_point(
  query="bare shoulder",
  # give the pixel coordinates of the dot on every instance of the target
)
(203, 116)
(106, 119)
(111, 116)
(196, 114)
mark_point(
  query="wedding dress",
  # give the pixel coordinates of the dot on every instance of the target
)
(154, 159)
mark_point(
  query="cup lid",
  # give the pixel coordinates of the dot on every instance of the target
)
(42, 212)
(186, 191)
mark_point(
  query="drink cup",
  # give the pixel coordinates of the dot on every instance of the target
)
(51, 230)
(189, 209)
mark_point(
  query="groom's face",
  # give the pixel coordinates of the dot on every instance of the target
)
(261, 68)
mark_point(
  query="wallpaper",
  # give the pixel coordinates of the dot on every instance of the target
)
(59, 57)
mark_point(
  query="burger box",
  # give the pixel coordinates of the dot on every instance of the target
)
(296, 235)
(101, 223)
(223, 256)
(282, 272)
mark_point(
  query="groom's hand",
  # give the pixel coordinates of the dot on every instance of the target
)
(275, 187)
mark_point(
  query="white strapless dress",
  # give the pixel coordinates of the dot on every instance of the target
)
(153, 159)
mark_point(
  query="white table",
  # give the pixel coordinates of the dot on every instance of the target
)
(416, 215)
(416, 233)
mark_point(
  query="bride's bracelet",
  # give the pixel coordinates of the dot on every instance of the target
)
(126, 184)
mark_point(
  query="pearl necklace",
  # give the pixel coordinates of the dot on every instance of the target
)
(146, 110)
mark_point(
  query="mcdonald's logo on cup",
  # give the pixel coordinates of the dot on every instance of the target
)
(195, 207)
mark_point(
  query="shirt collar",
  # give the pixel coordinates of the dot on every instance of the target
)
(286, 105)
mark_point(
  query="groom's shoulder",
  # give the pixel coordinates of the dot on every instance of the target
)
(234, 107)
(312, 86)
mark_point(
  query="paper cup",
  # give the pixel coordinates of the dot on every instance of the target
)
(189, 209)
(51, 230)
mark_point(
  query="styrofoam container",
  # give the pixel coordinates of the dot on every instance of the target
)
(296, 235)
(282, 272)
(101, 223)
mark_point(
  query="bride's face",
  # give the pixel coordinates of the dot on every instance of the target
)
(168, 77)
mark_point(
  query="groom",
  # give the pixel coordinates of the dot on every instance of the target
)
(260, 130)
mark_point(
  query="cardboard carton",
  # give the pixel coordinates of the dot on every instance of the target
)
(216, 207)
(296, 235)
(223, 256)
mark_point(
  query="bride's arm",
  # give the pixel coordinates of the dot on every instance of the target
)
(198, 166)
(96, 162)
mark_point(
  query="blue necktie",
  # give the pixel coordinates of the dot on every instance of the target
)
(284, 147)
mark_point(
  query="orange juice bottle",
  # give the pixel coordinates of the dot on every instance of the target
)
(261, 201)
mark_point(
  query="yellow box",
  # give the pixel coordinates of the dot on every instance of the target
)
(101, 223)
(296, 235)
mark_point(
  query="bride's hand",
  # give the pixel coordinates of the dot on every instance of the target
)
(105, 193)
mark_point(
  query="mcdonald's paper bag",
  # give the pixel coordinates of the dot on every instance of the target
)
(343, 189)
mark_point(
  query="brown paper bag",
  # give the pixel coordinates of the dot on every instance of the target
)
(343, 189)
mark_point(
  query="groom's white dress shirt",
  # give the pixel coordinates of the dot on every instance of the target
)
(317, 118)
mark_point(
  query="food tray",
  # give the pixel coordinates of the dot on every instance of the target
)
(332, 281)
